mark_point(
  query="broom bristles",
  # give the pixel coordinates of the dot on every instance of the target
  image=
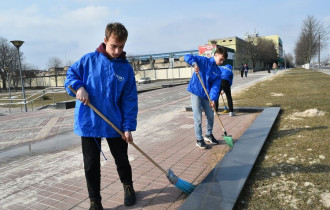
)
(179, 183)
(229, 141)
(185, 186)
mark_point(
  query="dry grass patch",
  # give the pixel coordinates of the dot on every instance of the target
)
(292, 171)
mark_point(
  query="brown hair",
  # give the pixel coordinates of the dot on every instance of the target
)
(221, 50)
(116, 29)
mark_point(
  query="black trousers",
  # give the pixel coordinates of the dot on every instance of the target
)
(92, 166)
(225, 86)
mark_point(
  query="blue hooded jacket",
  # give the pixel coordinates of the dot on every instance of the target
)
(111, 86)
(226, 73)
(209, 73)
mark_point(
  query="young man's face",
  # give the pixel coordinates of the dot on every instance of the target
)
(114, 47)
(219, 59)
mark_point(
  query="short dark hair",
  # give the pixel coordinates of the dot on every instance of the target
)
(116, 29)
(221, 50)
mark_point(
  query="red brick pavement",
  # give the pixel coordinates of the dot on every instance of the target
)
(57, 180)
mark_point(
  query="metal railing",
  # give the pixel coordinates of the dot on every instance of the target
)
(32, 99)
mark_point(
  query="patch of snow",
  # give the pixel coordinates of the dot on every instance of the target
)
(307, 184)
(276, 94)
(314, 161)
(325, 200)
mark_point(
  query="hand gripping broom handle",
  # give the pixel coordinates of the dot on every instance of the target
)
(121, 133)
(224, 131)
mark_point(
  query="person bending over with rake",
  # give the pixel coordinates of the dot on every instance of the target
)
(207, 69)
(226, 82)
(105, 78)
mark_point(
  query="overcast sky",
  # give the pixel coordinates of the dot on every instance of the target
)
(68, 29)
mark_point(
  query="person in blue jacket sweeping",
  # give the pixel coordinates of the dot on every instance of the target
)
(210, 74)
(106, 79)
(227, 77)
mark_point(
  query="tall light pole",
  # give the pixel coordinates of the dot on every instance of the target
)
(17, 44)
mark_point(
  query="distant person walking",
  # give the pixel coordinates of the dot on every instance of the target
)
(246, 70)
(274, 68)
(242, 70)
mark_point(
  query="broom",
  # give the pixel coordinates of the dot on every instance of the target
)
(227, 138)
(175, 180)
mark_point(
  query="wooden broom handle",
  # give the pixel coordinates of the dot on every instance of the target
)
(121, 133)
(200, 79)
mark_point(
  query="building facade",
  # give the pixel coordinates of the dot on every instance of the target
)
(240, 47)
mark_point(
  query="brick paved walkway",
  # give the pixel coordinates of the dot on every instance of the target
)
(54, 179)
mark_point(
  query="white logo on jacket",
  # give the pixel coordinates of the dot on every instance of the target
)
(120, 78)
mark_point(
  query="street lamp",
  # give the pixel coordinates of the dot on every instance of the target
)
(17, 44)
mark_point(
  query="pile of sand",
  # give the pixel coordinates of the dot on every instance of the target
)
(306, 113)
(309, 113)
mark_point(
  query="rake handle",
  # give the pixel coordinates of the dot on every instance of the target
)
(223, 100)
(121, 133)
(200, 79)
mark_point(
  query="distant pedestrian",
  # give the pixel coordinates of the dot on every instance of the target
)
(274, 67)
(246, 70)
(242, 70)
(105, 78)
(210, 74)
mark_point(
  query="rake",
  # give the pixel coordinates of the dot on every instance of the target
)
(175, 180)
(227, 138)
(226, 109)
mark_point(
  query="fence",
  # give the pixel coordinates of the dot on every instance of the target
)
(35, 99)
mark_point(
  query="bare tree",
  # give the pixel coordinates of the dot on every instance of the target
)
(289, 60)
(312, 39)
(252, 53)
(9, 59)
(267, 53)
(262, 50)
(29, 73)
(69, 63)
(55, 63)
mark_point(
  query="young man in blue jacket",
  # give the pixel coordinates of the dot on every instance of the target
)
(226, 82)
(106, 79)
(210, 74)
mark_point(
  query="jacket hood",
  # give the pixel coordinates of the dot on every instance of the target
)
(101, 49)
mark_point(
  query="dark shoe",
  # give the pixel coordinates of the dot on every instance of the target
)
(129, 192)
(211, 139)
(96, 205)
(201, 144)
